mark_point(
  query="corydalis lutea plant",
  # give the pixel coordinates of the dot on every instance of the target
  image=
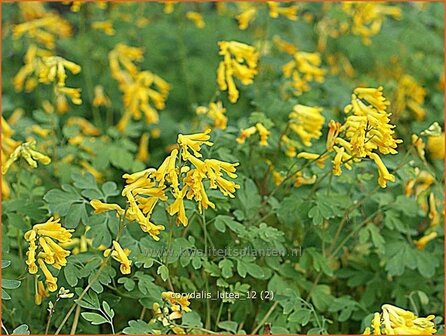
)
(397, 321)
(365, 133)
(182, 176)
(45, 249)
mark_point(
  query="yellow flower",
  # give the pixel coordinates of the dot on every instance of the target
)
(284, 46)
(304, 68)
(333, 131)
(52, 69)
(52, 228)
(419, 146)
(245, 17)
(178, 207)
(384, 175)
(58, 253)
(193, 142)
(120, 255)
(246, 133)
(51, 281)
(264, 133)
(338, 160)
(72, 93)
(100, 99)
(306, 122)
(434, 216)
(105, 26)
(435, 146)
(100, 207)
(421, 243)
(275, 10)
(143, 148)
(169, 6)
(217, 112)
(239, 61)
(194, 180)
(85, 126)
(177, 302)
(41, 292)
(167, 170)
(319, 159)
(410, 96)
(28, 152)
(196, 18)
(403, 322)
(30, 236)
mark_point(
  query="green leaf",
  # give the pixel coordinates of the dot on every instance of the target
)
(22, 329)
(89, 301)
(301, 317)
(129, 284)
(5, 296)
(138, 327)
(226, 266)
(230, 326)
(6, 263)
(10, 284)
(71, 274)
(94, 318)
(163, 271)
(110, 313)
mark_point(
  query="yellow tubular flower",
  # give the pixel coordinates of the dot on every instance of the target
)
(28, 152)
(419, 146)
(306, 122)
(120, 255)
(435, 146)
(333, 131)
(86, 127)
(246, 133)
(245, 17)
(30, 236)
(275, 10)
(239, 61)
(434, 216)
(100, 207)
(143, 148)
(194, 142)
(384, 175)
(217, 112)
(58, 253)
(320, 159)
(421, 243)
(53, 229)
(338, 160)
(41, 292)
(51, 281)
(196, 18)
(100, 99)
(264, 133)
(304, 68)
(105, 26)
(178, 207)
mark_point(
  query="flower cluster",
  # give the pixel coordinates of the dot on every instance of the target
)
(239, 61)
(216, 113)
(143, 91)
(248, 132)
(303, 69)
(368, 17)
(182, 173)
(8, 147)
(410, 95)
(397, 321)
(120, 255)
(175, 305)
(366, 131)
(44, 248)
(306, 122)
(41, 26)
(27, 151)
(41, 66)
